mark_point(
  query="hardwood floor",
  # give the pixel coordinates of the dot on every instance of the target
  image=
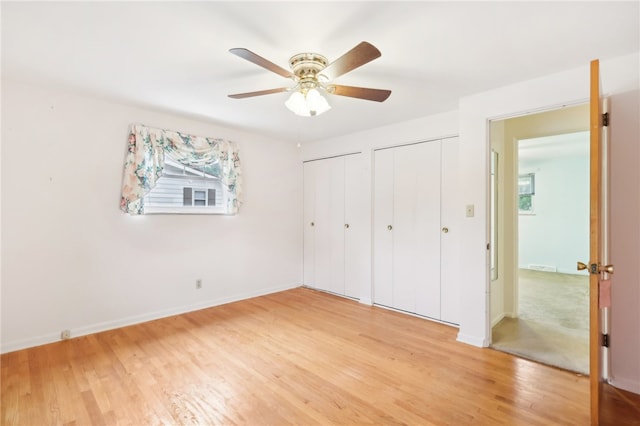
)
(296, 357)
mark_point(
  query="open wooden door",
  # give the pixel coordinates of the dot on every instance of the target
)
(596, 243)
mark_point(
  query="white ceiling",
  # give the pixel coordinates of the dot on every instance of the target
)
(174, 56)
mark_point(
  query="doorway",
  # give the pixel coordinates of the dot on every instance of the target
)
(540, 222)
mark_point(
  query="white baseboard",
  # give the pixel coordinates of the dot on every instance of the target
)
(368, 302)
(137, 319)
(472, 340)
(626, 384)
(497, 319)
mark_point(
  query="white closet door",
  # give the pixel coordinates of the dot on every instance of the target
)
(406, 243)
(450, 241)
(329, 225)
(322, 249)
(416, 245)
(382, 220)
(309, 202)
(336, 223)
(356, 256)
(427, 231)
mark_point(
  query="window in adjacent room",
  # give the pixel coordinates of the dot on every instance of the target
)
(526, 192)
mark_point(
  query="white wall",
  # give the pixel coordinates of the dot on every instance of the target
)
(625, 238)
(557, 233)
(619, 77)
(72, 260)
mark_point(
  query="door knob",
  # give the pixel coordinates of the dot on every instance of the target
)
(346, 226)
(595, 269)
(607, 268)
(445, 230)
(313, 224)
(592, 267)
(389, 227)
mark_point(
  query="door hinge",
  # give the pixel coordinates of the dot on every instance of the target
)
(605, 340)
(605, 119)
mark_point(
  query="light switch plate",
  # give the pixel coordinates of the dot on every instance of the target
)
(469, 210)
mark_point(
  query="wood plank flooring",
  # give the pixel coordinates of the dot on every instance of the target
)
(295, 357)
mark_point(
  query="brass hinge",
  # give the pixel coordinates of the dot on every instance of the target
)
(605, 340)
(605, 119)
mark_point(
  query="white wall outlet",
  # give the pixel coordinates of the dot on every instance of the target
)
(469, 210)
(198, 284)
(65, 334)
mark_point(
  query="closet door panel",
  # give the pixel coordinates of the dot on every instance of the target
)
(356, 255)
(383, 219)
(336, 253)
(427, 230)
(309, 202)
(406, 243)
(322, 258)
(450, 241)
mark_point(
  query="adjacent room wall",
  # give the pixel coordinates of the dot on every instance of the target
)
(72, 260)
(557, 233)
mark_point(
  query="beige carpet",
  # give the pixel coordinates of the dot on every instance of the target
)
(553, 326)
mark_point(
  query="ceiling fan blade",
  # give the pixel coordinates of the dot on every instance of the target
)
(356, 57)
(258, 93)
(378, 95)
(259, 60)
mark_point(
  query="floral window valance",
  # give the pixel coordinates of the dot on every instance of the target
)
(144, 163)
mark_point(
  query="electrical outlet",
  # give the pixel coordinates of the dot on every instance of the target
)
(198, 284)
(65, 334)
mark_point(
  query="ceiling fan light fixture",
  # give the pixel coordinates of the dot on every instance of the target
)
(316, 102)
(297, 104)
(307, 104)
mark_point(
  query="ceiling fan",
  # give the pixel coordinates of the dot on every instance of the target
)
(312, 73)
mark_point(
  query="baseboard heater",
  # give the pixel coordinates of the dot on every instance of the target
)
(545, 268)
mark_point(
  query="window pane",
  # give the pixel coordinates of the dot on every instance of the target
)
(186, 196)
(213, 170)
(526, 184)
(525, 203)
(175, 190)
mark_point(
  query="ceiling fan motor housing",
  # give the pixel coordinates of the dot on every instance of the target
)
(306, 67)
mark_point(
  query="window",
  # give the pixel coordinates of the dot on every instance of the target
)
(526, 191)
(198, 196)
(171, 172)
(186, 189)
